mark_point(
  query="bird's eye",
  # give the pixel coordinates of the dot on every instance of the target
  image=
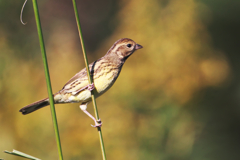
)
(129, 45)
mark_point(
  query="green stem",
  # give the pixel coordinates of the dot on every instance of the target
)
(49, 88)
(89, 78)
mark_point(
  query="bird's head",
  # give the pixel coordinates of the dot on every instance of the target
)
(124, 47)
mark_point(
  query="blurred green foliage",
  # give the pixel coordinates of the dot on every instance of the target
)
(176, 99)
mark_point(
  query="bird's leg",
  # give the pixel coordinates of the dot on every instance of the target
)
(98, 122)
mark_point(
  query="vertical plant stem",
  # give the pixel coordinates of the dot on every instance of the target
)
(49, 88)
(89, 78)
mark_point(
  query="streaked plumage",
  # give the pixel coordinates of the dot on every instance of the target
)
(105, 72)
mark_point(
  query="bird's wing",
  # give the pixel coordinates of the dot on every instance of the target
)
(78, 82)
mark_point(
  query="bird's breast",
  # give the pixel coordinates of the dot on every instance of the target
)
(105, 79)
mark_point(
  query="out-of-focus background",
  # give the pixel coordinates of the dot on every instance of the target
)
(178, 98)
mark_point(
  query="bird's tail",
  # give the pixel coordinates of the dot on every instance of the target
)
(34, 106)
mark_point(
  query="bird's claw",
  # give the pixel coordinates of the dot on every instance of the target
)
(98, 123)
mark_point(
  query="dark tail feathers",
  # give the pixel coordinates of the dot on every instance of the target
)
(34, 106)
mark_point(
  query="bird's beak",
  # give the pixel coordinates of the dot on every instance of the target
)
(138, 46)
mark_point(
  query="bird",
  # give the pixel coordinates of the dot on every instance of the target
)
(104, 73)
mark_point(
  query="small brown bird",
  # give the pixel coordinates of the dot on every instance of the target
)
(105, 71)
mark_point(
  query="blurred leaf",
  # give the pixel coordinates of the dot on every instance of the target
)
(21, 154)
